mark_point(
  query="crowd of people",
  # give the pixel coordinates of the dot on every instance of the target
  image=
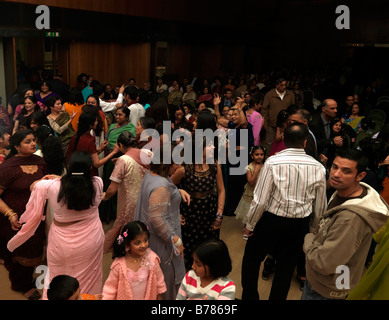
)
(313, 194)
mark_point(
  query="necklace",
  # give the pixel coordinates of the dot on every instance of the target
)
(142, 258)
(354, 191)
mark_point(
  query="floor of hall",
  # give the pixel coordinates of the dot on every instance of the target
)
(230, 233)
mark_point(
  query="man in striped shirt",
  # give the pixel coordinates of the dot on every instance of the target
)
(289, 197)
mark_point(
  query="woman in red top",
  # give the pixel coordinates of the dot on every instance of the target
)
(84, 141)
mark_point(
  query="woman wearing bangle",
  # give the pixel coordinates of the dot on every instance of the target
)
(16, 176)
(158, 207)
(204, 182)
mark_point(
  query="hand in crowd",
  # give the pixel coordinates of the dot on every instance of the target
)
(73, 115)
(185, 196)
(102, 146)
(323, 159)
(121, 90)
(216, 100)
(338, 141)
(116, 148)
(15, 224)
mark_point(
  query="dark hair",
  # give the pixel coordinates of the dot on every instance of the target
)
(206, 120)
(129, 232)
(47, 83)
(95, 97)
(98, 89)
(162, 168)
(51, 147)
(50, 102)
(126, 111)
(354, 155)
(158, 111)
(75, 96)
(147, 122)
(85, 122)
(282, 117)
(62, 287)
(95, 110)
(214, 254)
(295, 134)
(133, 92)
(33, 99)
(41, 119)
(19, 136)
(77, 190)
(127, 139)
(255, 148)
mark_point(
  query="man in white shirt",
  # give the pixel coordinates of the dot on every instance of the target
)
(289, 197)
(131, 96)
(108, 106)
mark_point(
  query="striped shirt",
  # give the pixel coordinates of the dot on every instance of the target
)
(219, 289)
(291, 184)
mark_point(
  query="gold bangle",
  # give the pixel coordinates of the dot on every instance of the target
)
(5, 214)
(9, 218)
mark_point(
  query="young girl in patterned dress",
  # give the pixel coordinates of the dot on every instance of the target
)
(252, 172)
(135, 272)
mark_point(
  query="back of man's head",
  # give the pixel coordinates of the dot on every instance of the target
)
(295, 135)
(133, 92)
(98, 89)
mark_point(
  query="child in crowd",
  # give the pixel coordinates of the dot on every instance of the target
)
(208, 279)
(135, 272)
(64, 287)
(257, 154)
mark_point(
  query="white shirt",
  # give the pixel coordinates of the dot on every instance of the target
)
(109, 106)
(137, 111)
(281, 95)
(291, 184)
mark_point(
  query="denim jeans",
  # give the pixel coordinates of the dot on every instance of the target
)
(310, 294)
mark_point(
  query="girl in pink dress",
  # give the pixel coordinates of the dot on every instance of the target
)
(135, 272)
(76, 236)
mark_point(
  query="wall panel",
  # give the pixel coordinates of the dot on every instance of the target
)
(110, 62)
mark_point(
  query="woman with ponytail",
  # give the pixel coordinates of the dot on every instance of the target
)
(76, 236)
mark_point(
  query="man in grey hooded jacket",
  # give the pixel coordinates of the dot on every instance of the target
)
(336, 251)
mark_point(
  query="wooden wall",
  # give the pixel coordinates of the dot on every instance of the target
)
(110, 62)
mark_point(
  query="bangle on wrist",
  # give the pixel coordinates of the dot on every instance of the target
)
(5, 214)
(178, 243)
(219, 215)
(13, 214)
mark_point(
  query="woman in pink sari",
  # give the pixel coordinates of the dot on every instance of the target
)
(76, 236)
(255, 118)
(126, 180)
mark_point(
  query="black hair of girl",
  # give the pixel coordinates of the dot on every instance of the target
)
(62, 287)
(95, 110)
(214, 254)
(77, 190)
(282, 117)
(255, 148)
(40, 118)
(52, 150)
(206, 120)
(129, 232)
(33, 99)
(127, 139)
(85, 123)
(147, 122)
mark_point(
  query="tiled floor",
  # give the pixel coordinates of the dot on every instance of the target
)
(230, 233)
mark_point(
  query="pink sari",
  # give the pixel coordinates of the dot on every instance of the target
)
(255, 119)
(76, 238)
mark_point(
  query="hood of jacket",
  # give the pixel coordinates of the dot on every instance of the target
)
(372, 208)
